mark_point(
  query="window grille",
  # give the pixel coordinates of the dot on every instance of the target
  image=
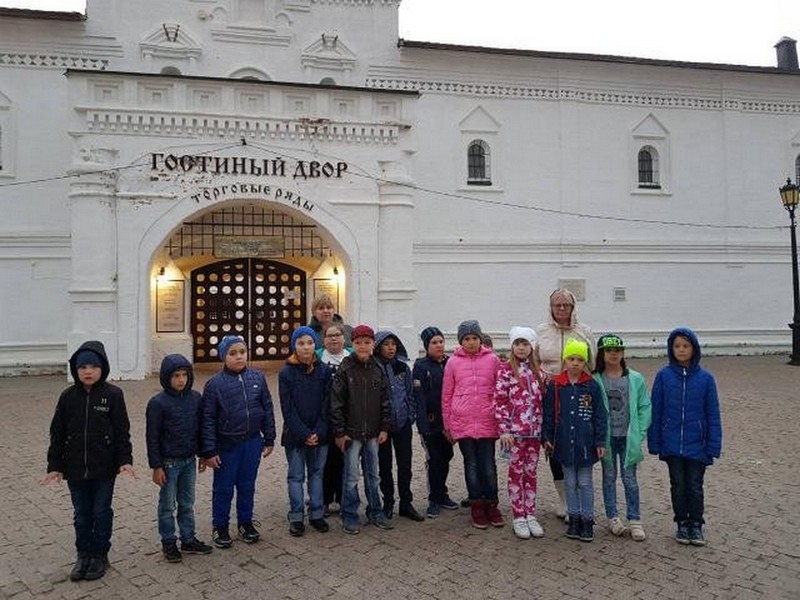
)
(648, 168)
(478, 164)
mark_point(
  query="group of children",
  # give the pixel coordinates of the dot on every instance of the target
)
(360, 407)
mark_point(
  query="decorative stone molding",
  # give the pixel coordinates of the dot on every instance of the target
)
(172, 41)
(51, 61)
(358, 2)
(594, 96)
(328, 53)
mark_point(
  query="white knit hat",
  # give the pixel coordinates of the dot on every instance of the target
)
(523, 333)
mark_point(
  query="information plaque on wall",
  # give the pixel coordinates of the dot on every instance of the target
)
(170, 306)
(329, 287)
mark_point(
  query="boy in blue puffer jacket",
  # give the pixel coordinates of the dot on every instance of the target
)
(237, 430)
(172, 433)
(686, 432)
(392, 356)
(303, 385)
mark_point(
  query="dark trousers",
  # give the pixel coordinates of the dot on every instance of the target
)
(438, 454)
(332, 476)
(480, 468)
(556, 469)
(401, 441)
(93, 515)
(686, 487)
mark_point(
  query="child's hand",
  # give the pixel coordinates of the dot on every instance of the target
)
(53, 477)
(506, 441)
(267, 451)
(548, 448)
(128, 470)
(201, 465)
(341, 442)
(214, 462)
(159, 477)
(601, 452)
(312, 440)
(449, 437)
(382, 437)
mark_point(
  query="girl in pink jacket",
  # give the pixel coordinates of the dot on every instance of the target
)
(518, 396)
(468, 412)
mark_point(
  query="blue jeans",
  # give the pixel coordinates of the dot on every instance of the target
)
(365, 452)
(178, 490)
(579, 491)
(239, 469)
(480, 469)
(300, 459)
(93, 516)
(686, 487)
(629, 482)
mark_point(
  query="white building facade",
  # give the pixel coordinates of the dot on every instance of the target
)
(171, 172)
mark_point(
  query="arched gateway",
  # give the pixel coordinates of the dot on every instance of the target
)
(188, 228)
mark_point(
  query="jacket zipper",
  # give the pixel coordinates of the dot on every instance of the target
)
(85, 437)
(364, 402)
(246, 407)
(683, 408)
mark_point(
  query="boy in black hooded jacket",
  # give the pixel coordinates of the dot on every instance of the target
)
(90, 445)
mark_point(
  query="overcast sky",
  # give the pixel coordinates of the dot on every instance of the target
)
(719, 31)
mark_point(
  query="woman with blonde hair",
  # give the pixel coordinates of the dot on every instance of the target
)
(323, 314)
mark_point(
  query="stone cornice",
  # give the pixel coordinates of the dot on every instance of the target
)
(358, 2)
(591, 95)
(52, 61)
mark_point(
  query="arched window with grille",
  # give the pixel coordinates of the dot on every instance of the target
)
(648, 168)
(478, 163)
(797, 170)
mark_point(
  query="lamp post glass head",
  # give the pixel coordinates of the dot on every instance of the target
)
(790, 195)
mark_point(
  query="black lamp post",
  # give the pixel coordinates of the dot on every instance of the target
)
(790, 196)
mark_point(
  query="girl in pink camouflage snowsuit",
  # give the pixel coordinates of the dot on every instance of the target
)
(518, 408)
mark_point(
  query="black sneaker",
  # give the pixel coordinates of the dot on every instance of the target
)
(79, 570)
(171, 552)
(586, 529)
(682, 534)
(320, 525)
(195, 546)
(221, 537)
(696, 535)
(296, 528)
(382, 523)
(574, 527)
(96, 568)
(449, 504)
(409, 512)
(248, 533)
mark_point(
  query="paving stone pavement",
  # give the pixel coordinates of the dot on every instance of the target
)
(752, 502)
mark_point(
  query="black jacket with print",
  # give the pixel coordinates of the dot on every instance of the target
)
(90, 431)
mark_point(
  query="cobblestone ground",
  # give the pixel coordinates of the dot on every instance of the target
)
(752, 503)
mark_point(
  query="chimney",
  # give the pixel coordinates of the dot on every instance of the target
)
(787, 54)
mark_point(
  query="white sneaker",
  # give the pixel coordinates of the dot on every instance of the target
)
(521, 528)
(617, 527)
(637, 531)
(534, 527)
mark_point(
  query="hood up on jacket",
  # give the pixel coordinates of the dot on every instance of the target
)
(573, 316)
(96, 347)
(382, 336)
(689, 335)
(170, 364)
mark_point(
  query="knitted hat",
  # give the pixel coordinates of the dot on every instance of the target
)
(362, 331)
(523, 333)
(575, 347)
(227, 342)
(610, 342)
(300, 332)
(87, 358)
(468, 328)
(428, 334)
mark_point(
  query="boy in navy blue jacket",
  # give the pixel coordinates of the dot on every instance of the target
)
(90, 444)
(574, 432)
(428, 374)
(686, 432)
(172, 431)
(237, 430)
(303, 386)
(392, 356)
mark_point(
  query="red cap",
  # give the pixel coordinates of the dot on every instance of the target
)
(362, 331)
